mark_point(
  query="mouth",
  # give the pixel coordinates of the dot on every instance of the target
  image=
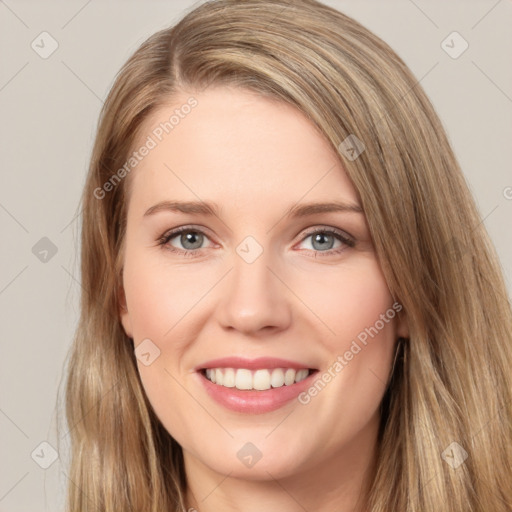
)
(254, 386)
(261, 379)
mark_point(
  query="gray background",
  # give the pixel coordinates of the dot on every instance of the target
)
(49, 109)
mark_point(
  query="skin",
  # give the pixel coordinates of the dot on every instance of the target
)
(256, 157)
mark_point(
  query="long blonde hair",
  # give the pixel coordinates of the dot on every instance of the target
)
(450, 393)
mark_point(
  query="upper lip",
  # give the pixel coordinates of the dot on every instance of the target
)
(251, 364)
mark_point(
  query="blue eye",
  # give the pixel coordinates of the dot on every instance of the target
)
(324, 239)
(192, 239)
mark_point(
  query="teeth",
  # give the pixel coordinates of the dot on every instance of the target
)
(277, 378)
(260, 380)
(243, 379)
(301, 374)
(229, 378)
(289, 376)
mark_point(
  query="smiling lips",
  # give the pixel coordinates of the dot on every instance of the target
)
(254, 386)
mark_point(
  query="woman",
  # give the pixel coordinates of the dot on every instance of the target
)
(254, 369)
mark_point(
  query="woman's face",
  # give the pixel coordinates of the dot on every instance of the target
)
(259, 290)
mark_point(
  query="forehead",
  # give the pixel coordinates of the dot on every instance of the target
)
(237, 146)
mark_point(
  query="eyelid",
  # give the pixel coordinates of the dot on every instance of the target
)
(347, 241)
(328, 229)
(344, 237)
(171, 233)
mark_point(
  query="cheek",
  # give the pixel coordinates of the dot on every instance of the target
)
(158, 298)
(350, 302)
(359, 321)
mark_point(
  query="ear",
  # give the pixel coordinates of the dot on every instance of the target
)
(124, 315)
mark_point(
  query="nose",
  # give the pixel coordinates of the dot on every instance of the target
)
(254, 298)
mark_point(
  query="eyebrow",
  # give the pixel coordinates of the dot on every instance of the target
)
(299, 210)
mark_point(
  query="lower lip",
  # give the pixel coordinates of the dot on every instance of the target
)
(254, 401)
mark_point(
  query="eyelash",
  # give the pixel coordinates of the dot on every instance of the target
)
(191, 253)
